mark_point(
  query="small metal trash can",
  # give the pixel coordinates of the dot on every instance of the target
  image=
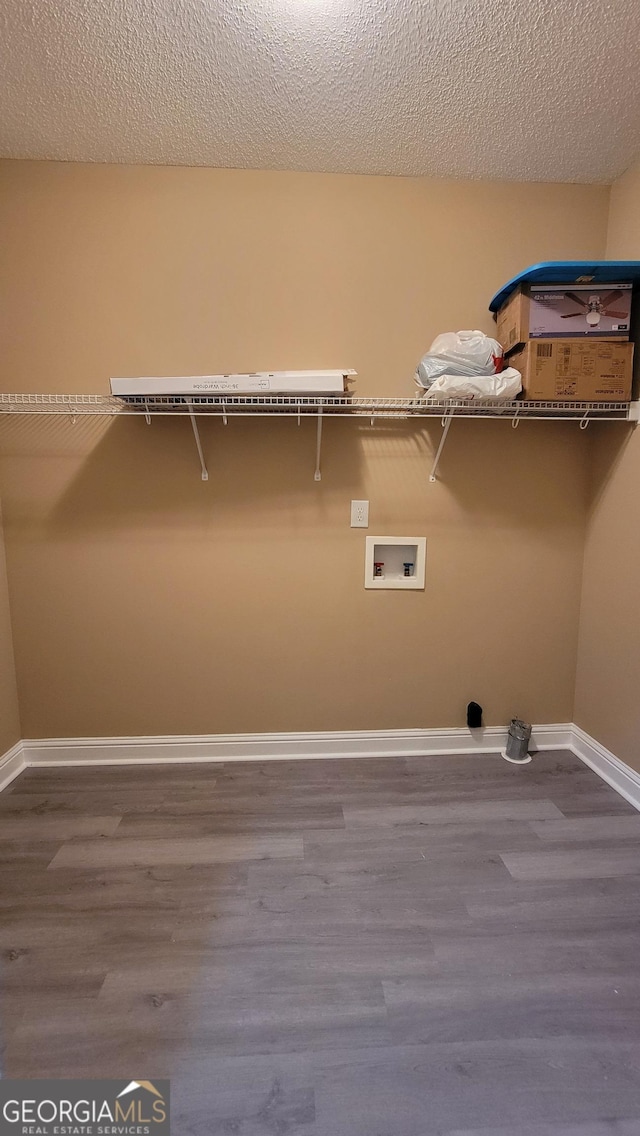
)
(518, 738)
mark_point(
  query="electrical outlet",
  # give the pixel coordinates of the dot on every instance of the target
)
(359, 514)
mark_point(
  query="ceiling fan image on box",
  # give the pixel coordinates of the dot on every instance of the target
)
(595, 307)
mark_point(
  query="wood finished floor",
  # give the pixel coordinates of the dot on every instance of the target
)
(392, 947)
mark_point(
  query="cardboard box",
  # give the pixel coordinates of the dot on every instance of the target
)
(564, 311)
(259, 383)
(575, 370)
(512, 321)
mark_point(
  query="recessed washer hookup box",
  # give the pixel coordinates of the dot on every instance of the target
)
(563, 311)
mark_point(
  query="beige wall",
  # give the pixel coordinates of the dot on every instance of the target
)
(145, 601)
(608, 674)
(9, 717)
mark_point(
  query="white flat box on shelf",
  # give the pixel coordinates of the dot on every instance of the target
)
(257, 383)
(395, 562)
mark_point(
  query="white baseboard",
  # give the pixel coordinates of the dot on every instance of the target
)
(276, 747)
(11, 764)
(616, 773)
(173, 749)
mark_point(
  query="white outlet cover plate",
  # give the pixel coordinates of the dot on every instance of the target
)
(393, 551)
(359, 514)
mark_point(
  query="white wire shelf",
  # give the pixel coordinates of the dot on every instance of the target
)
(310, 406)
(319, 407)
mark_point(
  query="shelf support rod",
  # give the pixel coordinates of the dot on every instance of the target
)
(196, 434)
(446, 424)
(317, 475)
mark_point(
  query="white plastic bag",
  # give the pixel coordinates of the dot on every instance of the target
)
(499, 388)
(460, 353)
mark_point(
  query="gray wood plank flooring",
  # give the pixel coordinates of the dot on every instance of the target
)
(385, 947)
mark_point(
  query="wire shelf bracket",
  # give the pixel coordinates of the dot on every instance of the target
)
(318, 475)
(446, 426)
(196, 434)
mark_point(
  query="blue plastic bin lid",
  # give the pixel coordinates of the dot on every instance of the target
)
(570, 272)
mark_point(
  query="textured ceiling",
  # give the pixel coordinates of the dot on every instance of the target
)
(524, 89)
